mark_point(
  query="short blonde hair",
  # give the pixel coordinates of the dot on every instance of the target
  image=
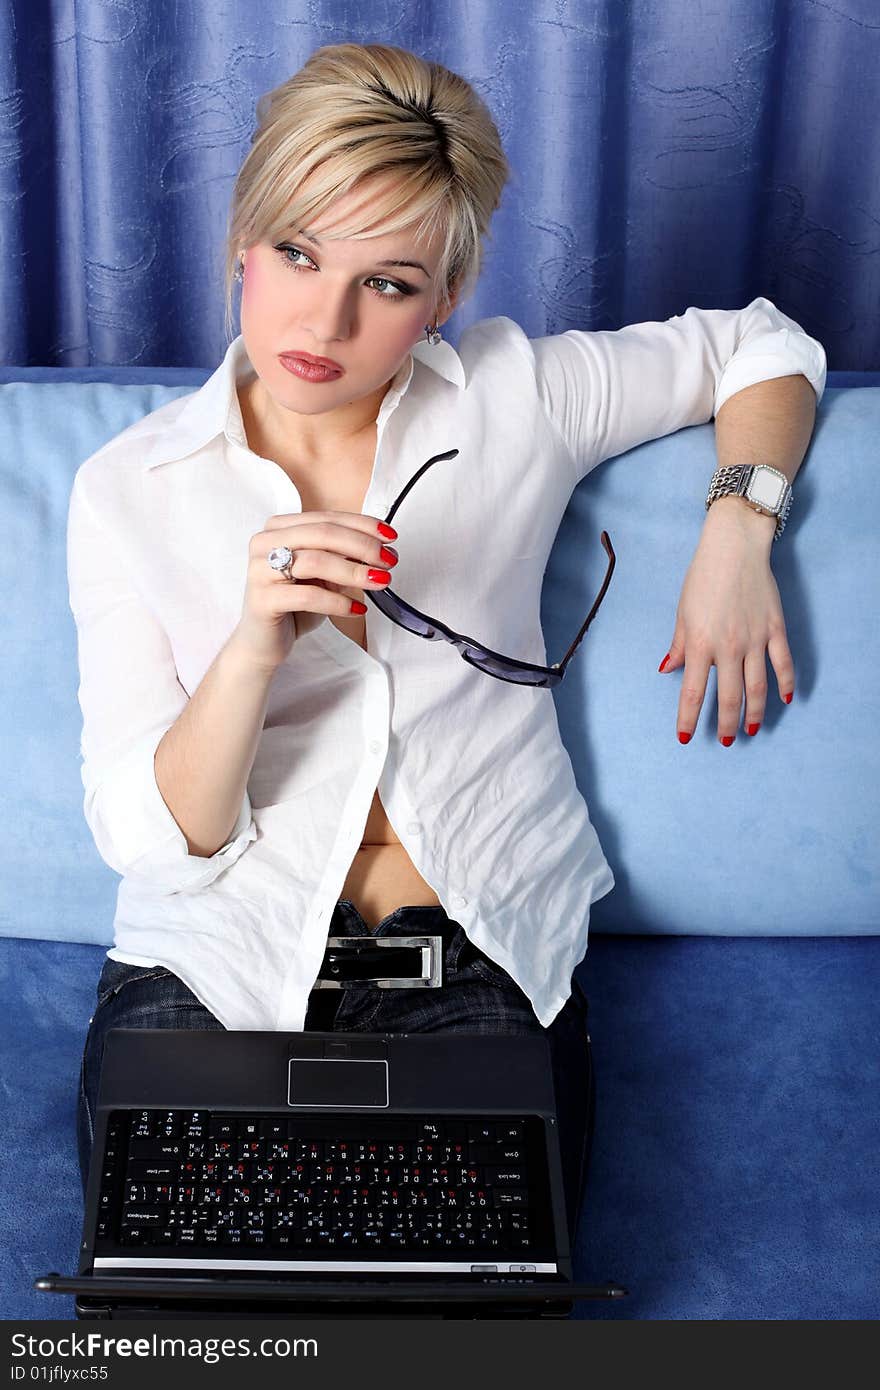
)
(354, 111)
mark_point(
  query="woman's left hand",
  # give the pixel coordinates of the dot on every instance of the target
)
(729, 616)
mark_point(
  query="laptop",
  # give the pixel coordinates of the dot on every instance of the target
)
(325, 1174)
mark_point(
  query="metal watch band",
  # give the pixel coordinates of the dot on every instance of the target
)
(733, 480)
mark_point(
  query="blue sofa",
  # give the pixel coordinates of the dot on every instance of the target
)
(732, 973)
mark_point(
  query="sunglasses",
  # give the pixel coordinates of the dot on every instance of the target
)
(503, 668)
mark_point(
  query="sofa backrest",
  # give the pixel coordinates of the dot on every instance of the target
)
(776, 835)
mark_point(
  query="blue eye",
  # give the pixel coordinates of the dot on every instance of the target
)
(398, 291)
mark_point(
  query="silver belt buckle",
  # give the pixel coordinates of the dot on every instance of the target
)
(432, 963)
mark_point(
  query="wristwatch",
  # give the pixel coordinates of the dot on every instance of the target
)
(763, 487)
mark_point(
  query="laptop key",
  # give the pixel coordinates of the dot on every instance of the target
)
(496, 1153)
(131, 1235)
(143, 1236)
(150, 1149)
(139, 1170)
(286, 1221)
(507, 1177)
(141, 1216)
(222, 1127)
(479, 1132)
(303, 1151)
(508, 1153)
(147, 1193)
(249, 1150)
(510, 1129)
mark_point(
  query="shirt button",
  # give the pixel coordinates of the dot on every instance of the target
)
(414, 828)
(375, 746)
(458, 901)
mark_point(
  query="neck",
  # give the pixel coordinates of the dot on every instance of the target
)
(311, 444)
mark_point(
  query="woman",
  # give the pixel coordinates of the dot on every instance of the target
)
(271, 770)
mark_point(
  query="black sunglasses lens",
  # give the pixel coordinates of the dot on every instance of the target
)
(406, 617)
(415, 624)
(485, 662)
(402, 615)
(492, 666)
(503, 670)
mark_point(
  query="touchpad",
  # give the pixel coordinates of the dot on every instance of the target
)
(337, 1081)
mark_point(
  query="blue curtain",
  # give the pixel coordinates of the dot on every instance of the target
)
(664, 153)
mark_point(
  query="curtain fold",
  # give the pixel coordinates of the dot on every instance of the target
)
(664, 154)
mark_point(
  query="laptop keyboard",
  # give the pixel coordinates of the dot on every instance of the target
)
(205, 1182)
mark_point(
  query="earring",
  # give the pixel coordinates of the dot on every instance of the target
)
(239, 270)
(433, 334)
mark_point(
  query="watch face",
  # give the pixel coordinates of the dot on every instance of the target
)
(766, 488)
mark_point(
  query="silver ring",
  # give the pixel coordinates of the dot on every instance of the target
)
(281, 558)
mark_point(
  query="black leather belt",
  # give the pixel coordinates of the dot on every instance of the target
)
(385, 962)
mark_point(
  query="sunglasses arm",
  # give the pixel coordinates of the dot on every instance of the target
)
(606, 542)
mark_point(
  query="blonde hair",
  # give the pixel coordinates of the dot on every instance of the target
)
(354, 111)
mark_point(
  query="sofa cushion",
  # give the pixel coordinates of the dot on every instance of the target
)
(774, 835)
(732, 1169)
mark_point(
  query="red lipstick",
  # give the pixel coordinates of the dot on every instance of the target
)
(315, 361)
(311, 369)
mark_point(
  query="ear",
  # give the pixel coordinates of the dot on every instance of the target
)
(453, 300)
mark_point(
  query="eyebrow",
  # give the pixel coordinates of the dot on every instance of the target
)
(416, 265)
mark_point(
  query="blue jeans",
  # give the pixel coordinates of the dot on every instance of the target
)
(476, 996)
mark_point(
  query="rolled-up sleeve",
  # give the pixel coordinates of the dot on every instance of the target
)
(607, 392)
(130, 696)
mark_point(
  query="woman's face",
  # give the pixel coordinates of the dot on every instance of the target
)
(336, 300)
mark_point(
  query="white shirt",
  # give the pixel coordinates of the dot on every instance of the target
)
(471, 770)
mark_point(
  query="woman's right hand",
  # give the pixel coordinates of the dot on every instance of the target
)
(332, 554)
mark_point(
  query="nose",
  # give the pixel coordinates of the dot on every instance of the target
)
(330, 318)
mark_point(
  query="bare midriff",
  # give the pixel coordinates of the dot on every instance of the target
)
(381, 877)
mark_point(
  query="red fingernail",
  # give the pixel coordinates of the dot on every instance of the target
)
(387, 531)
(683, 737)
(390, 557)
(753, 729)
(663, 662)
(727, 741)
(787, 698)
(357, 606)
